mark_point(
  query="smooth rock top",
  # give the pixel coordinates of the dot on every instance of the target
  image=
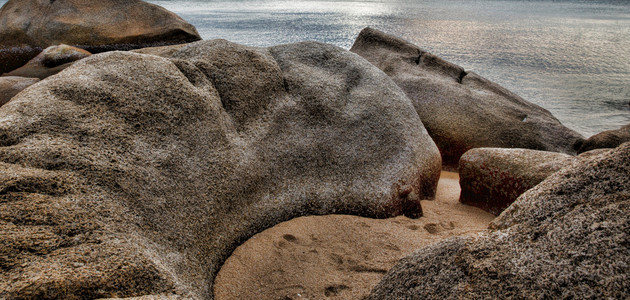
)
(492, 178)
(568, 237)
(462, 110)
(50, 61)
(607, 139)
(28, 26)
(12, 85)
(129, 174)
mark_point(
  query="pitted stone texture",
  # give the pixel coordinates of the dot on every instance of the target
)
(12, 85)
(151, 297)
(568, 237)
(50, 61)
(28, 26)
(492, 178)
(607, 139)
(164, 51)
(130, 174)
(462, 110)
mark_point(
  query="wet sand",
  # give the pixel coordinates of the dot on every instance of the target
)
(341, 256)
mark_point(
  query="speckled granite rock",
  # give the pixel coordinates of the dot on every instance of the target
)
(28, 26)
(129, 174)
(462, 110)
(607, 139)
(150, 297)
(12, 85)
(492, 178)
(50, 61)
(568, 237)
(164, 51)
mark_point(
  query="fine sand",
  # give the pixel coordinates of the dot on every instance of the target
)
(340, 256)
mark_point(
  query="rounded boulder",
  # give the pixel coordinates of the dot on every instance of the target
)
(129, 174)
(50, 61)
(565, 238)
(607, 139)
(492, 178)
(28, 26)
(460, 109)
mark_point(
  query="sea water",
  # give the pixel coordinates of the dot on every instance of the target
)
(570, 57)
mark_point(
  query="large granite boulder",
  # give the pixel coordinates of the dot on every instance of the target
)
(607, 139)
(12, 85)
(28, 26)
(129, 174)
(492, 178)
(567, 238)
(50, 62)
(462, 110)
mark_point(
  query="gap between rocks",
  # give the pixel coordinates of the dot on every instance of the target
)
(340, 256)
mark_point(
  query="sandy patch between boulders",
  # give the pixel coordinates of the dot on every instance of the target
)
(340, 256)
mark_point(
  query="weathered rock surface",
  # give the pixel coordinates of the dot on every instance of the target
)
(12, 85)
(568, 237)
(492, 178)
(462, 110)
(129, 174)
(607, 139)
(28, 26)
(50, 62)
(164, 51)
(150, 297)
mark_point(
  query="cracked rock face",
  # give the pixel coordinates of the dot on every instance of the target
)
(492, 178)
(462, 110)
(28, 26)
(568, 237)
(130, 174)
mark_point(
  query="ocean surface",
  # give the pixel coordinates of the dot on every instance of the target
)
(570, 57)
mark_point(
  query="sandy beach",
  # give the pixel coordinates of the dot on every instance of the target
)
(341, 256)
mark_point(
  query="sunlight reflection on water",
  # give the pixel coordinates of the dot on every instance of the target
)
(571, 57)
